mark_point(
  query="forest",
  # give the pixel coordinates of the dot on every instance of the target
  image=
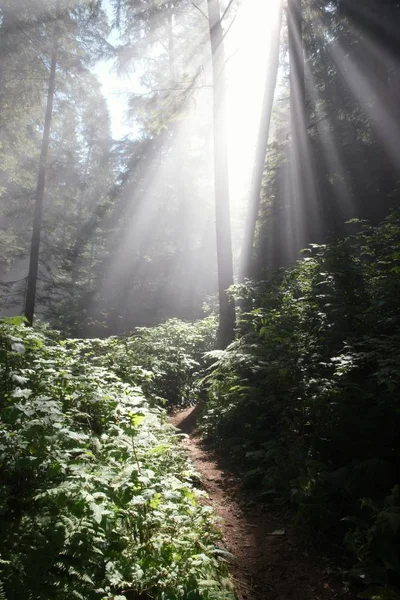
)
(199, 299)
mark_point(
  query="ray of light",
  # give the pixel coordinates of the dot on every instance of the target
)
(249, 44)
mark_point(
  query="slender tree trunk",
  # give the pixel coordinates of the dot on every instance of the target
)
(246, 267)
(221, 179)
(7, 29)
(80, 232)
(79, 208)
(40, 189)
(296, 55)
(4, 31)
(91, 259)
(171, 47)
(299, 138)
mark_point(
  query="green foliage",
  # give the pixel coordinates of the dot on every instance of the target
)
(171, 354)
(307, 398)
(374, 541)
(96, 499)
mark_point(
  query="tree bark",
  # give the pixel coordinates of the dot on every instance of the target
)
(299, 139)
(40, 190)
(7, 29)
(246, 268)
(221, 179)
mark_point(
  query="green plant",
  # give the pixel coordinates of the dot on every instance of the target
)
(96, 499)
(306, 399)
(173, 353)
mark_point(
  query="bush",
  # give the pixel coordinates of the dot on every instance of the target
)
(307, 397)
(96, 500)
(171, 358)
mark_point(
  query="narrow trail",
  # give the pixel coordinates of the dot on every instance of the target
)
(267, 562)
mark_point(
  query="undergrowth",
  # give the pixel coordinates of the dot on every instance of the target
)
(96, 496)
(307, 398)
(167, 361)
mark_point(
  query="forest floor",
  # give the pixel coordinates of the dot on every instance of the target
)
(268, 562)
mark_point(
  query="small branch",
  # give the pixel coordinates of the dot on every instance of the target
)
(226, 10)
(163, 45)
(321, 119)
(231, 56)
(173, 89)
(200, 10)
(229, 28)
(22, 30)
(9, 283)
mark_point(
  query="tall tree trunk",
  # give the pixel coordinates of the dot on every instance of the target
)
(221, 179)
(171, 47)
(7, 29)
(299, 139)
(81, 231)
(246, 267)
(40, 189)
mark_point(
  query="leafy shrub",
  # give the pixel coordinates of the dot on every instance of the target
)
(171, 355)
(374, 541)
(307, 397)
(96, 500)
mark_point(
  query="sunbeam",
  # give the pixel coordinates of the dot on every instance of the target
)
(247, 46)
(141, 208)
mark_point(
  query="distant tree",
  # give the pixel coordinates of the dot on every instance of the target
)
(41, 180)
(298, 122)
(246, 267)
(221, 178)
(339, 108)
(23, 76)
(81, 156)
(166, 266)
(75, 38)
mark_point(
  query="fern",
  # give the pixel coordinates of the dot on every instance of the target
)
(93, 482)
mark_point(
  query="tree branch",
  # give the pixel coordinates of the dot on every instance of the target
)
(200, 10)
(229, 28)
(321, 119)
(226, 9)
(173, 89)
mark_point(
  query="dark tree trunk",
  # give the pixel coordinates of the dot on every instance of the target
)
(246, 268)
(296, 55)
(7, 29)
(221, 179)
(40, 189)
(299, 154)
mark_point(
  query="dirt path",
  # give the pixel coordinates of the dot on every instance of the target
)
(267, 563)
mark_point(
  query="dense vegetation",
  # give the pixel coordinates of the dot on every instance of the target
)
(304, 403)
(306, 399)
(119, 232)
(96, 497)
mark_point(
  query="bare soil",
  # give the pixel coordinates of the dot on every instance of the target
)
(268, 562)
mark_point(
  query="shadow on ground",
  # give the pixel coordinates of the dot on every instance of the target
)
(267, 562)
(186, 419)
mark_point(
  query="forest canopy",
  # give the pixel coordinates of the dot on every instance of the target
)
(305, 138)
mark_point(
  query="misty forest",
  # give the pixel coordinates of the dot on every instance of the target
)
(199, 299)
